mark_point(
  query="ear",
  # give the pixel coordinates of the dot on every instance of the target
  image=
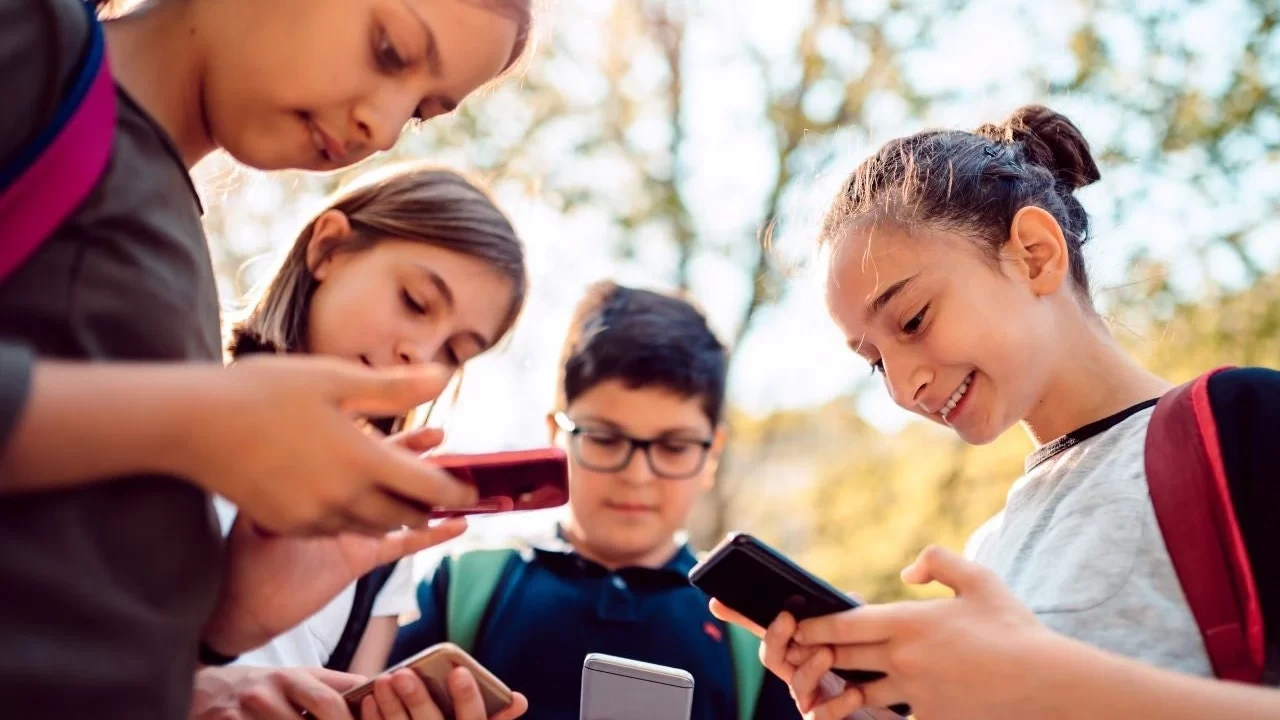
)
(553, 429)
(718, 441)
(329, 230)
(1038, 249)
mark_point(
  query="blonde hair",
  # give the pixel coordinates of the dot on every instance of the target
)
(430, 205)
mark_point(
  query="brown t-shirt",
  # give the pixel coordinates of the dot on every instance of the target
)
(103, 588)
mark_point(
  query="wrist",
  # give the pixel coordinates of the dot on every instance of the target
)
(188, 410)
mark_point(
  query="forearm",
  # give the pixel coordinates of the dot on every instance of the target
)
(1088, 683)
(371, 655)
(82, 423)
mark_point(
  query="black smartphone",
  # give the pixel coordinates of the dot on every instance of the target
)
(760, 583)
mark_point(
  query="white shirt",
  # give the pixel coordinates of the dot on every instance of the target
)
(312, 642)
(1078, 543)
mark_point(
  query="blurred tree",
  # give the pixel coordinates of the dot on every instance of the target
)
(1193, 91)
(689, 131)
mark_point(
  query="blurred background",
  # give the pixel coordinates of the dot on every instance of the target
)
(693, 145)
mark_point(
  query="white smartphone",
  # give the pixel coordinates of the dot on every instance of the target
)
(615, 688)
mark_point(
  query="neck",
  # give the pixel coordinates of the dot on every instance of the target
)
(1096, 379)
(155, 55)
(652, 558)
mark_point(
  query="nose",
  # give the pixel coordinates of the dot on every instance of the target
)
(638, 471)
(371, 134)
(907, 380)
(378, 122)
(414, 352)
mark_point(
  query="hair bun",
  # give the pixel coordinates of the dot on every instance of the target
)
(1051, 141)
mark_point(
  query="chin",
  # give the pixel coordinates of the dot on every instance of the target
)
(983, 437)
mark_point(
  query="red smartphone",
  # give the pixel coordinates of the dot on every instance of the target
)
(512, 481)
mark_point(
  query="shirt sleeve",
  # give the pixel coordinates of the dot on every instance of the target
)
(40, 41)
(396, 596)
(1246, 409)
(429, 628)
(16, 364)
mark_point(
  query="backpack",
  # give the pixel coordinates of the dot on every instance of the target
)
(367, 589)
(50, 177)
(1192, 499)
(476, 574)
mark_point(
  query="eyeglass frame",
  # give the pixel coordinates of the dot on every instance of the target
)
(574, 430)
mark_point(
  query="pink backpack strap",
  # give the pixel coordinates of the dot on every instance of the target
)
(64, 164)
(1192, 499)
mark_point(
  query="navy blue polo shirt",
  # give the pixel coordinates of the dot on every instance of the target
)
(553, 607)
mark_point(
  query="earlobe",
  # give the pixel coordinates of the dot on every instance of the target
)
(718, 441)
(328, 231)
(552, 428)
(1040, 250)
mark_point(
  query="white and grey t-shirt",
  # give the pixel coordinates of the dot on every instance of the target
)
(1078, 543)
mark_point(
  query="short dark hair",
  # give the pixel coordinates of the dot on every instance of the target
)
(975, 182)
(644, 339)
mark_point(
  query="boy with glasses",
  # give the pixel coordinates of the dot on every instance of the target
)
(641, 391)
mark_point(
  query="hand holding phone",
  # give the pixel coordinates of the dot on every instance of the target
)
(512, 481)
(434, 667)
(758, 582)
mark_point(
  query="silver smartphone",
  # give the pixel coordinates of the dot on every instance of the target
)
(615, 688)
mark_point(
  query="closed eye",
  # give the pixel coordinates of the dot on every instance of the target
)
(912, 326)
(385, 53)
(877, 367)
(412, 305)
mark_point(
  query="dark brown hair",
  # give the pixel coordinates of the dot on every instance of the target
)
(644, 339)
(974, 183)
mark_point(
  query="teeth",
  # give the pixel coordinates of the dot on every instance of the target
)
(955, 397)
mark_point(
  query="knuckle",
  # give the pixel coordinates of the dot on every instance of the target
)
(906, 660)
(256, 698)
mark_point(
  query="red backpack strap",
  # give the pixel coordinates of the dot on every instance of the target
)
(57, 172)
(1192, 499)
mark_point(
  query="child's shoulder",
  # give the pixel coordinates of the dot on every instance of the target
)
(41, 42)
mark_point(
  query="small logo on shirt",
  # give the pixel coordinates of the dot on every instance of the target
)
(712, 631)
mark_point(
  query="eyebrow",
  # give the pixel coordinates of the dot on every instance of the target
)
(446, 294)
(665, 433)
(883, 299)
(433, 48)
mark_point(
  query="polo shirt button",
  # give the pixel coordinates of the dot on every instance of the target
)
(619, 583)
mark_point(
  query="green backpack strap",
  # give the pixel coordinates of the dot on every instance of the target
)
(473, 577)
(748, 673)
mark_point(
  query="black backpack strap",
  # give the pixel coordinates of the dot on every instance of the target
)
(367, 589)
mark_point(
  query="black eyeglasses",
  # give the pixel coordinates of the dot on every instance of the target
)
(604, 450)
